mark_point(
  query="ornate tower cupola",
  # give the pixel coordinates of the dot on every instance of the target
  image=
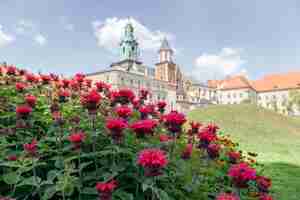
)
(129, 46)
(165, 52)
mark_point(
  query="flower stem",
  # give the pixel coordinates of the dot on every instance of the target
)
(94, 142)
(35, 177)
(80, 175)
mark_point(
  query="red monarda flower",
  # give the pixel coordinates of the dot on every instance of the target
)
(144, 127)
(187, 152)
(206, 138)
(54, 77)
(136, 103)
(241, 174)
(12, 157)
(213, 150)
(174, 120)
(30, 100)
(161, 106)
(102, 86)
(11, 70)
(123, 111)
(263, 183)
(234, 156)
(116, 127)
(144, 94)
(77, 139)
(23, 111)
(88, 83)
(152, 160)
(20, 86)
(227, 196)
(91, 100)
(31, 148)
(211, 128)
(31, 78)
(165, 138)
(45, 79)
(195, 126)
(106, 189)
(124, 96)
(63, 94)
(265, 197)
(79, 77)
(145, 111)
(65, 83)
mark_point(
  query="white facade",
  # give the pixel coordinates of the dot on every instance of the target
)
(235, 96)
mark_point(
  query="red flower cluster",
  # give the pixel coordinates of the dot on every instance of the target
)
(161, 106)
(174, 120)
(30, 100)
(106, 189)
(123, 96)
(79, 77)
(195, 127)
(263, 183)
(187, 152)
(116, 127)
(77, 139)
(227, 196)
(31, 148)
(145, 111)
(123, 111)
(102, 86)
(63, 94)
(153, 160)
(234, 157)
(11, 70)
(12, 157)
(144, 127)
(241, 174)
(45, 79)
(206, 138)
(31, 78)
(165, 138)
(144, 94)
(23, 111)
(20, 87)
(91, 100)
(213, 150)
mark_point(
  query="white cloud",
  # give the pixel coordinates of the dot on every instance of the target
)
(225, 62)
(40, 39)
(109, 32)
(5, 38)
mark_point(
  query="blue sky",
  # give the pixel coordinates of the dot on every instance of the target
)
(212, 38)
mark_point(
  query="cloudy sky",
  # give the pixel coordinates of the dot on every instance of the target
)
(211, 38)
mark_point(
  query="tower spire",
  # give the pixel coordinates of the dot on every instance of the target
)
(165, 51)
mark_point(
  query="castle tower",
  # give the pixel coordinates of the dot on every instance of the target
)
(129, 46)
(166, 69)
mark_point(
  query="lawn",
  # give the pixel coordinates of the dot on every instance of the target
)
(275, 137)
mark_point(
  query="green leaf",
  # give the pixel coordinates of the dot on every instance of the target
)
(89, 190)
(83, 165)
(11, 178)
(122, 195)
(161, 194)
(49, 193)
(52, 175)
(31, 181)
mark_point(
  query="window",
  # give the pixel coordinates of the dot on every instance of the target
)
(229, 96)
(234, 95)
(107, 78)
(131, 82)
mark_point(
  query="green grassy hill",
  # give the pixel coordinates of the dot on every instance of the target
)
(275, 137)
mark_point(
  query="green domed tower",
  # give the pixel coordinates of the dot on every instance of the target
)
(129, 49)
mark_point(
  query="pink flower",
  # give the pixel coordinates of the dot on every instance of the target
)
(91, 100)
(63, 94)
(164, 138)
(79, 77)
(123, 111)
(116, 127)
(213, 150)
(23, 111)
(31, 78)
(145, 111)
(206, 138)
(31, 148)
(234, 156)
(144, 127)
(77, 139)
(11, 70)
(101, 86)
(143, 94)
(241, 174)
(161, 106)
(106, 189)
(12, 157)
(195, 126)
(45, 79)
(263, 183)
(20, 86)
(174, 120)
(153, 160)
(123, 96)
(227, 196)
(30, 100)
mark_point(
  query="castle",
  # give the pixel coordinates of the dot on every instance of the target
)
(167, 82)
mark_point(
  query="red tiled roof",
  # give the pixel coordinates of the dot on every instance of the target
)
(233, 82)
(278, 82)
